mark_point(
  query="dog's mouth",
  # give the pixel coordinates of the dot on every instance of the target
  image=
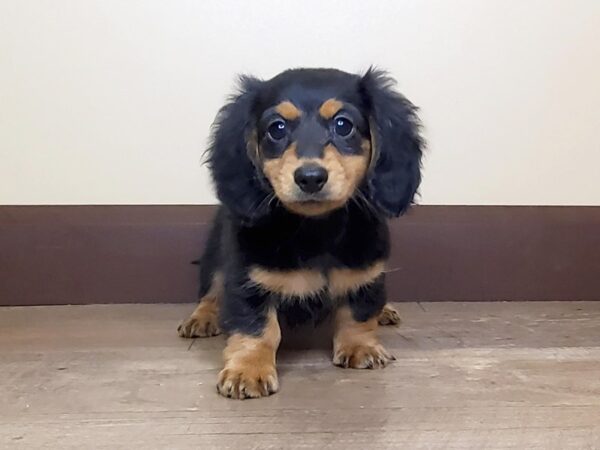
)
(315, 206)
(311, 200)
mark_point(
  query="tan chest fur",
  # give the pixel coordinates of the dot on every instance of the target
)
(306, 283)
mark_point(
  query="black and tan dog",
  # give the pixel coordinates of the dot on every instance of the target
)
(308, 166)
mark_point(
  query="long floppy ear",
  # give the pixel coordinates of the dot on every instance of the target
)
(232, 154)
(395, 172)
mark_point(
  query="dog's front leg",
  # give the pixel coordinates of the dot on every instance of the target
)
(355, 341)
(249, 356)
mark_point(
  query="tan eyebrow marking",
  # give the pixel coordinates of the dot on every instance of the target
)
(288, 110)
(330, 107)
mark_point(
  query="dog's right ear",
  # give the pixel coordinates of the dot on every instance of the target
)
(232, 154)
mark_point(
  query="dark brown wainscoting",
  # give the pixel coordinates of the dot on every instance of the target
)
(127, 254)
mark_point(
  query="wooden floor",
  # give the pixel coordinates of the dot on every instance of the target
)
(478, 375)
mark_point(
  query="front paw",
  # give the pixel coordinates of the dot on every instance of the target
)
(199, 325)
(247, 381)
(359, 356)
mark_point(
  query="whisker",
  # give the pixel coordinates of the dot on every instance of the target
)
(259, 204)
(363, 203)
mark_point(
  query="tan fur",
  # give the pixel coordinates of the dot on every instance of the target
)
(344, 280)
(389, 316)
(372, 144)
(355, 344)
(252, 146)
(314, 209)
(330, 108)
(288, 110)
(345, 172)
(204, 321)
(280, 172)
(344, 175)
(366, 146)
(289, 283)
(250, 370)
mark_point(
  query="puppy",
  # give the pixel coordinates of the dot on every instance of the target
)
(307, 165)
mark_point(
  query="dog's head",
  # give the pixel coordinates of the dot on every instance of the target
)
(312, 140)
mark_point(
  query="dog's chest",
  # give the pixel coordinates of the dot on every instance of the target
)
(352, 241)
(308, 266)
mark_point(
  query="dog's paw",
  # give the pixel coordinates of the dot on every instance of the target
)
(199, 325)
(360, 356)
(389, 316)
(241, 382)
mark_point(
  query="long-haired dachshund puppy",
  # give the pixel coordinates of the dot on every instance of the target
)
(308, 165)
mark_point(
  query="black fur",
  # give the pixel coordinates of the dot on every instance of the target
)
(395, 130)
(253, 228)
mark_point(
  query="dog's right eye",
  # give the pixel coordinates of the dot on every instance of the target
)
(277, 130)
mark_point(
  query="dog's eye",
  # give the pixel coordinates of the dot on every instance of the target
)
(277, 130)
(343, 126)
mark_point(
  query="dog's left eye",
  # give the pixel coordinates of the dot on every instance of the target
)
(277, 130)
(343, 126)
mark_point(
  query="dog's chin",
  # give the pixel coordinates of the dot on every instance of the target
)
(313, 208)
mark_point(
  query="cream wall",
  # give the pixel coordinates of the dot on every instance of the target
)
(105, 101)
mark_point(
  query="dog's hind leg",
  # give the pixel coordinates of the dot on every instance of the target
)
(389, 316)
(204, 321)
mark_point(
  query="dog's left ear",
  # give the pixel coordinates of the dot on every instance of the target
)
(395, 171)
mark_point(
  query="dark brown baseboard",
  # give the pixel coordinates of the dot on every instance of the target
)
(125, 254)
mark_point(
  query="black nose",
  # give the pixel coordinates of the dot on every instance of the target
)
(310, 177)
